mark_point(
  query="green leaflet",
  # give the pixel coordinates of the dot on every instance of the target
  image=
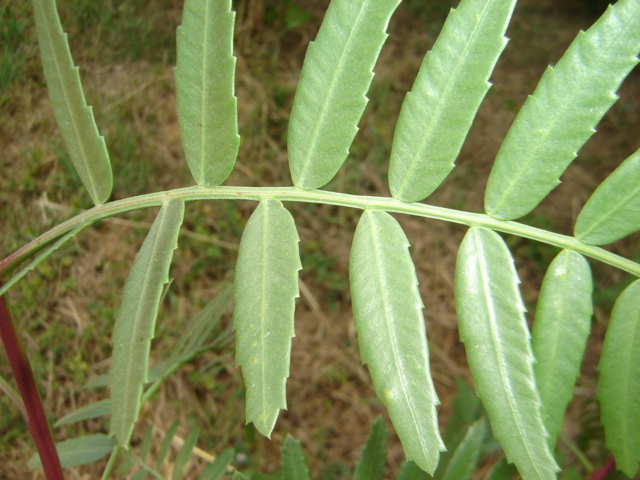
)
(185, 453)
(266, 286)
(613, 211)
(135, 325)
(218, 468)
(293, 465)
(465, 459)
(370, 466)
(166, 444)
(560, 331)
(335, 77)
(619, 384)
(207, 106)
(79, 451)
(453, 79)
(387, 311)
(86, 147)
(92, 410)
(562, 113)
(496, 337)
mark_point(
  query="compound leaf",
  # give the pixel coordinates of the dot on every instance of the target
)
(613, 211)
(207, 106)
(293, 465)
(494, 331)
(135, 325)
(453, 79)
(370, 466)
(77, 125)
(619, 384)
(79, 451)
(387, 311)
(559, 336)
(331, 95)
(266, 286)
(562, 113)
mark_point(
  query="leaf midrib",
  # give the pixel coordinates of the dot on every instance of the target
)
(495, 338)
(327, 103)
(437, 111)
(381, 276)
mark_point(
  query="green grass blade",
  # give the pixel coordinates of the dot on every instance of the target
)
(453, 79)
(293, 465)
(207, 106)
(619, 384)
(239, 476)
(331, 95)
(135, 325)
(410, 471)
(562, 113)
(185, 453)
(218, 468)
(387, 311)
(86, 412)
(465, 458)
(266, 286)
(613, 211)
(370, 466)
(79, 451)
(496, 337)
(86, 147)
(559, 337)
(166, 444)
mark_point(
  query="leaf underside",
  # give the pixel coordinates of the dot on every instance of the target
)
(562, 113)
(387, 311)
(619, 384)
(494, 331)
(135, 325)
(559, 337)
(266, 286)
(207, 106)
(453, 79)
(331, 95)
(86, 147)
(613, 211)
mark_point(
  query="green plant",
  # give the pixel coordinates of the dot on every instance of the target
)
(524, 384)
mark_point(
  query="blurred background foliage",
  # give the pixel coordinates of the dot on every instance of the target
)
(126, 53)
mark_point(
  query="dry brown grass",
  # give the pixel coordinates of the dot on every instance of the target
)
(66, 307)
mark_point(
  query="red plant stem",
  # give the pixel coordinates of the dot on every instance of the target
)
(35, 417)
(604, 472)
